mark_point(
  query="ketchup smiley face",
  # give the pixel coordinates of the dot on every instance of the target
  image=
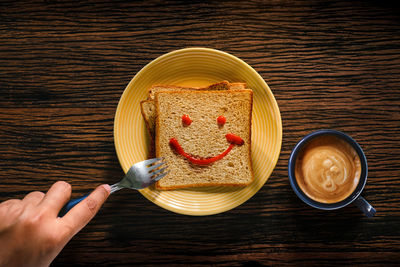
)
(232, 139)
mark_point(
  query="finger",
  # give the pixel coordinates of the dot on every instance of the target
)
(83, 212)
(58, 194)
(33, 198)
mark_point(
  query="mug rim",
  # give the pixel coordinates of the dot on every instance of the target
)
(311, 202)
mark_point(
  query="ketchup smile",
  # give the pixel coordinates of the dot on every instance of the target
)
(231, 138)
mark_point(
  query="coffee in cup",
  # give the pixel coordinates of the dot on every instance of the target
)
(328, 169)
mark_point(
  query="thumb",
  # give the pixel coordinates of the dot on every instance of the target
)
(82, 213)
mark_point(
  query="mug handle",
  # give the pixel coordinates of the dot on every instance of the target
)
(365, 207)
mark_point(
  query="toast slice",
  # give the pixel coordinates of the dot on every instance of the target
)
(204, 139)
(148, 109)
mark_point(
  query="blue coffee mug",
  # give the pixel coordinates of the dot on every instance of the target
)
(355, 197)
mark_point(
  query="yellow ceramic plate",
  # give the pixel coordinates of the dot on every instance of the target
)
(199, 67)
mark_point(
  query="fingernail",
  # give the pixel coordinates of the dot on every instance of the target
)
(107, 187)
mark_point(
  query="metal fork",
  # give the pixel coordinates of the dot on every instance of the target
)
(139, 176)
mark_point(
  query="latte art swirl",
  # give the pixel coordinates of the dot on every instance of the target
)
(328, 169)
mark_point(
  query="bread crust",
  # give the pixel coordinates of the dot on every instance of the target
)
(146, 118)
(223, 85)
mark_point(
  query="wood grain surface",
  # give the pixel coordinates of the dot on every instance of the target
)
(330, 64)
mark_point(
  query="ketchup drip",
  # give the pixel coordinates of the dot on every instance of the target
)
(231, 138)
(234, 139)
(186, 120)
(221, 120)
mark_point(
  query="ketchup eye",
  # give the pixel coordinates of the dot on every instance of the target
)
(221, 120)
(186, 120)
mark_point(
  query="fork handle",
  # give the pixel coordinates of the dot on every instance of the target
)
(70, 205)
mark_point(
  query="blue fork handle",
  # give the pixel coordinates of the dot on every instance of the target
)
(70, 205)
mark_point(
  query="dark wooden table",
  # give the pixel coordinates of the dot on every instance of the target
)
(64, 66)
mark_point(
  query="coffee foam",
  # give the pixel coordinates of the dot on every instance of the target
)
(328, 169)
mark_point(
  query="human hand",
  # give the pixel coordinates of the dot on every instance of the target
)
(31, 233)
